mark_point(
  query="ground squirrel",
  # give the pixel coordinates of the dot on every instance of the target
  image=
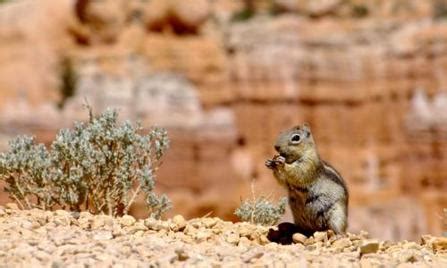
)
(318, 196)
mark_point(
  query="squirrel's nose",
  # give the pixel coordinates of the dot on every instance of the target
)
(277, 147)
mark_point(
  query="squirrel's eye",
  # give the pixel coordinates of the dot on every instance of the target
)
(295, 138)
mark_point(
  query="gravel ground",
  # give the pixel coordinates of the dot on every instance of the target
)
(62, 239)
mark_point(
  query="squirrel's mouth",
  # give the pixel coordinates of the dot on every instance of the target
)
(284, 155)
(287, 157)
(290, 158)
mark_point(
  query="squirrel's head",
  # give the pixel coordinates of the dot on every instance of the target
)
(295, 143)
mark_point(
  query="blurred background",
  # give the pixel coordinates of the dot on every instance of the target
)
(226, 76)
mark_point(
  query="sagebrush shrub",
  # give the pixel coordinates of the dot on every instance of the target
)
(99, 165)
(26, 171)
(261, 211)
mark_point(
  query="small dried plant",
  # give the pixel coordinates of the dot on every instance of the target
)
(261, 210)
(445, 222)
(100, 166)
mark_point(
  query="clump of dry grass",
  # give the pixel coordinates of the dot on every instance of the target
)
(261, 210)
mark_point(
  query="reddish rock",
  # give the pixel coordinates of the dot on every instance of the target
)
(100, 21)
(155, 14)
(189, 14)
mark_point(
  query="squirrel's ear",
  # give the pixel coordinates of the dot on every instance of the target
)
(306, 126)
(306, 129)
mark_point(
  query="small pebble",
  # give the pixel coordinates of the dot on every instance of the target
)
(127, 220)
(299, 238)
(180, 222)
(369, 246)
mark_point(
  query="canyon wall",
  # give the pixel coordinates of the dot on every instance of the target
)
(225, 77)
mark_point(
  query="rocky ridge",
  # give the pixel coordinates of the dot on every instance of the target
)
(71, 239)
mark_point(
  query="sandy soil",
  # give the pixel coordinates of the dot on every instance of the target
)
(62, 239)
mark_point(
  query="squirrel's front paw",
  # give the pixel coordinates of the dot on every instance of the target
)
(279, 160)
(269, 163)
(275, 162)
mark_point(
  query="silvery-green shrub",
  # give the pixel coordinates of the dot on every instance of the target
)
(100, 166)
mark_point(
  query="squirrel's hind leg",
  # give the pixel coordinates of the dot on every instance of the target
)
(337, 218)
